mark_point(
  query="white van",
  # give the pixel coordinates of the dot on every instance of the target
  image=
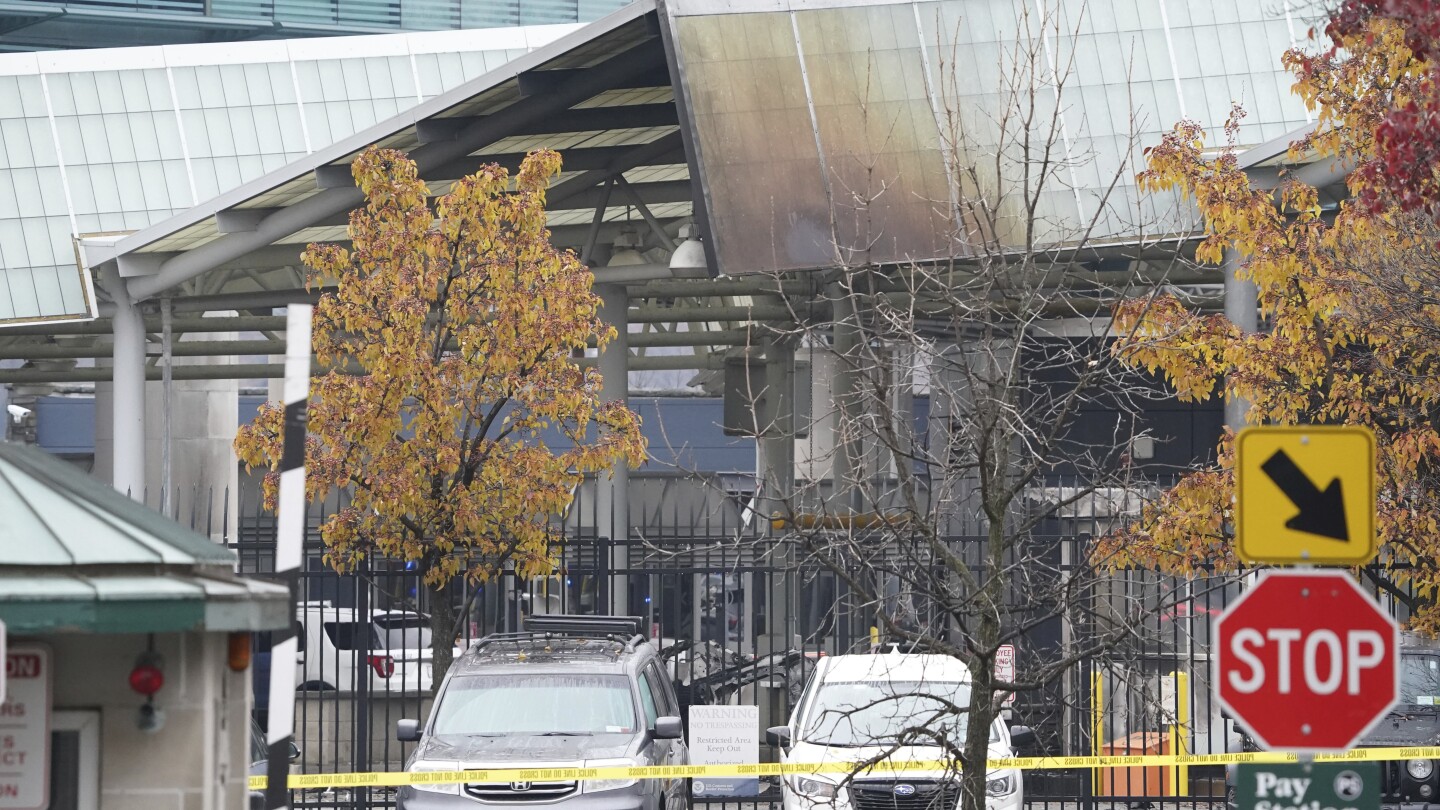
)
(862, 708)
(333, 649)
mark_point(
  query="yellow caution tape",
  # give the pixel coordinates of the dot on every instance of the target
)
(401, 778)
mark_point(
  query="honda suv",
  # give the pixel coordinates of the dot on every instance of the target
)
(567, 692)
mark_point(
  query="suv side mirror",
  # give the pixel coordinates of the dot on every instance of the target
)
(668, 728)
(407, 730)
(778, 736)
(1022, 736)
(294, 751)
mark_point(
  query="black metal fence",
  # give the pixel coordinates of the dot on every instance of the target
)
(742, 615)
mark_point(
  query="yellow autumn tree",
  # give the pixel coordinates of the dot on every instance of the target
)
(1349, 319)
(450, 340)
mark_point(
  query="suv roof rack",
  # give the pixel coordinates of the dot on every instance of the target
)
(575, 625)
(621, 630)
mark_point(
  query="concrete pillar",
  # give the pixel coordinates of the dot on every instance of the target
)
(612, 511)
(1242, 308)
(776, 471)
(204, 418)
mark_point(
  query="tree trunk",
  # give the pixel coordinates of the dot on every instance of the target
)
(443, 630)
(977, 740)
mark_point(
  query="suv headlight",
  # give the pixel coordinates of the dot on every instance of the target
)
(814, 788)
(997, 786)
(1420, 769)
(451, 788)
(599, 785)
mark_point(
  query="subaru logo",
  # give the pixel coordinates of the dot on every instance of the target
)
(904, 790)
(519, 787)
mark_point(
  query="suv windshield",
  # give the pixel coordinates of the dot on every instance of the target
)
(885, 713)
(1420, 679)
(536, 704)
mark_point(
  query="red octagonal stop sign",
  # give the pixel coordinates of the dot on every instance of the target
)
(1306, 661)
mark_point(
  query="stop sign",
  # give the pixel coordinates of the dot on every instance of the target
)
(1306, 661)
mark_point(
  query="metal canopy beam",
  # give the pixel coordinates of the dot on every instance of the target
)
(258, 371)
(598, 157)
(537, 82)
(332, 202)
(642, 155)
(584, 119)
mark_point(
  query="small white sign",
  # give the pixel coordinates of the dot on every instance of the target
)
(725, 735)
(25, 730)
(1005, 668)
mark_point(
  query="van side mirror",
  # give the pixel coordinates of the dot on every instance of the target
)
(778, 736)
(668, 728)
(407, 730)
(1022, 736)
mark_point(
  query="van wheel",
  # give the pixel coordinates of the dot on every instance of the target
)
(315, 686)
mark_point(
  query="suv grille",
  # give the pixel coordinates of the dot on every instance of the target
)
(516, 792)
(878, 795)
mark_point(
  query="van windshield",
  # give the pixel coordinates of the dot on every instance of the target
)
(536, 704)
(854, 714)
(1420, 679)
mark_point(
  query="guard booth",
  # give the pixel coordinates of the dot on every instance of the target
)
(128, 649)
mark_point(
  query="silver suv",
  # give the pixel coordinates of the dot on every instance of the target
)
(568, 692)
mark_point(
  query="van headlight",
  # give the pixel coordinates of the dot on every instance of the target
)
(600, 785)
(814, 788)
(997, 786)
(420, 769)
(1420, 769)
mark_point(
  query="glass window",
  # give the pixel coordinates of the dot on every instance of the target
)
(157, 87)
(532, 704)
(1420, 679)
(117, 137)
(142, 133)
(16, 138)
(32, 96)
(62, 100)
(52, 192)
(352, 635)
(42, 142)
(112, 95)
(9, 207)
(664, 701)
(647, 698)
(10, 106)
(403, 632)
(187, 87)
(133, 91)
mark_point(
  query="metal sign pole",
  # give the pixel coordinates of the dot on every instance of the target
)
(289, 552)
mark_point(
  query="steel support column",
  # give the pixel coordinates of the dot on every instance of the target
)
(613, 491)
(128, 414)
(1242, 308)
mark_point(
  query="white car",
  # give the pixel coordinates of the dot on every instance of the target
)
(863, 708)
(391, 649)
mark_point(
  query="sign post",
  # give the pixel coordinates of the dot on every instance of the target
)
(1305, 495)
(25, 729)
(1005, 668)
(1306, 661)
(725, 735)
(1329, 785)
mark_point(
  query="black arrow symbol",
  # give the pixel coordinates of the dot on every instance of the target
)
(1321, 513)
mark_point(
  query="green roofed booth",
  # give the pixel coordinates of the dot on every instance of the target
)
(126, 668)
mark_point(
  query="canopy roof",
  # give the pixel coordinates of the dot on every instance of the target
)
(76, 555)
